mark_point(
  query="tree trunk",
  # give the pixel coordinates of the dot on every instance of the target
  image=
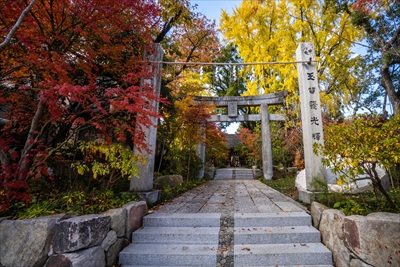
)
(17, 24)
(387, 83)
(162, 155)
(376, 182)
(25, 162)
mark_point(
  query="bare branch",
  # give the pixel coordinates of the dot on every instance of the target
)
(17, 24)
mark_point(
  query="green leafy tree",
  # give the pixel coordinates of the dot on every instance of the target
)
(226, 80)
(367, 95)
(380, 21)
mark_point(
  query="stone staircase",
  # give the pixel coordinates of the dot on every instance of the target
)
(260, 239)
(177, 239)
(278, 239)
(234, 174)
(223, 174)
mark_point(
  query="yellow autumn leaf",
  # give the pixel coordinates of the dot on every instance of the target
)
(266, 31)
(80, 171)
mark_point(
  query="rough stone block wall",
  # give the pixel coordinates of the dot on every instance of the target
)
(359, 241)
(82, 241)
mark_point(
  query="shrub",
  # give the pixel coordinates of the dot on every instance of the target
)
(357, 146)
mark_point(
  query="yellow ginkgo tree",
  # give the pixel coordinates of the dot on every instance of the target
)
(270, 31)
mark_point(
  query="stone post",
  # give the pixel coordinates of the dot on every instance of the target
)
(310, 116)
(201, 153)
(143, 184)
(266, 142)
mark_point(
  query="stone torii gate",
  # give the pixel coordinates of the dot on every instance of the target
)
(310, 115)
(232, 103)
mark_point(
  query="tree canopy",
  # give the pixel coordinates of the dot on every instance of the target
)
(72, 72)
(266, 31)
(380, 20)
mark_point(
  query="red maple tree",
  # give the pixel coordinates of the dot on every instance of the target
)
(72, 70)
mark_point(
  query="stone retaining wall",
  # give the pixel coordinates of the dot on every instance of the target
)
(359, 241)
(83, 241)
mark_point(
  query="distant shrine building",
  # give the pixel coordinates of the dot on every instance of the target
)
(234, 160)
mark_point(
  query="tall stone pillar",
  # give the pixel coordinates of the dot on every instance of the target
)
(201, 153)
(201, 150)
(143, 183)
(311, 117)
(266, 142)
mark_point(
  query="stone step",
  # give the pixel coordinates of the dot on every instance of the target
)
(284, 239)
(176, 235)
(175, 266)
(236, 177)
(276, 235)
(301, 265)
(237, 174)
(182, 220)
(282, 254)
(244, 177)
(272, 219)
(150, 254)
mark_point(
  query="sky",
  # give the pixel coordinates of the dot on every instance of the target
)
(212, 8)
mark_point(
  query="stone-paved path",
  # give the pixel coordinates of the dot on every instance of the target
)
(249, 213)
(239, 196)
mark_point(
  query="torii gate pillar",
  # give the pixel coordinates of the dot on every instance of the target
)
(266, 143)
